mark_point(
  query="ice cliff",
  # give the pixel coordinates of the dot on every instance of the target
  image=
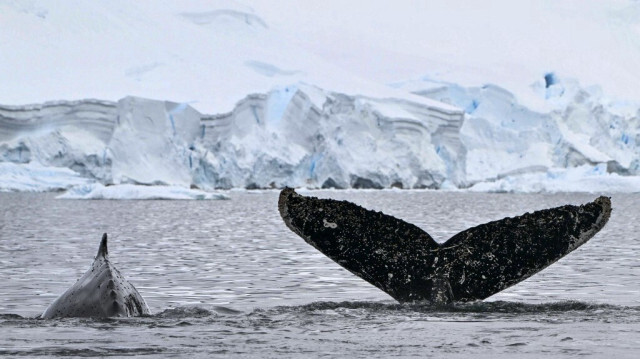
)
(571, 127)
(60, 134)
(303, 136)
(292, 136)
(360, 104)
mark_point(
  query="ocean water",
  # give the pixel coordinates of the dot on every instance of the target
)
(229, 279)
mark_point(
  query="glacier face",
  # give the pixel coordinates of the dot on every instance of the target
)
(292, 136)
(302, 136)
(577, 127)
(71, 134)
(152, 142)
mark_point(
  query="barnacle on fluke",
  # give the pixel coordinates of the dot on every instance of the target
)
(406, 263)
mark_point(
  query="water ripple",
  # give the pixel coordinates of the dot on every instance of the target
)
(227, 278)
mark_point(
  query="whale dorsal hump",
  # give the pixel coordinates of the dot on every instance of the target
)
(102, 291)
(103, 252)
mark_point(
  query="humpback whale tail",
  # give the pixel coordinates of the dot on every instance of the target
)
(409, 265)
(101, 292)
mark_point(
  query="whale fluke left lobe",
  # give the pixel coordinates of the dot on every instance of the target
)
(387, 252)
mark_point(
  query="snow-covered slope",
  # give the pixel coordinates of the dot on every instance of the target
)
(214, 52)
(346, 94)
(207, 53)
(507, 43)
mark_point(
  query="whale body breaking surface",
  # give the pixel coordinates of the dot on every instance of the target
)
(408, 264)
(101, 292)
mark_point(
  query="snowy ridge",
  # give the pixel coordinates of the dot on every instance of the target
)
(208, 53)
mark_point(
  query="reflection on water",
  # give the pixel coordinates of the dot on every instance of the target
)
(228, 277)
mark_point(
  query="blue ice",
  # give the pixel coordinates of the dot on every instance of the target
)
(277, 104)
(625, 138)
(174, 111)
(472, 107)
(550, 79)
(314, 160)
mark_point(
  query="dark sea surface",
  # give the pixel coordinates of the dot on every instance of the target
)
(229, 279)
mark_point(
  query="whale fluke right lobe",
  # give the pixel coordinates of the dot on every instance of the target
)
(488, 258)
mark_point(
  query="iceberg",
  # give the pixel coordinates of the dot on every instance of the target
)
(152, 142)
(585, 178)
(34, 177)
(139, 192)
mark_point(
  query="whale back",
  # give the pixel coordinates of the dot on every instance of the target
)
(101, 292)
(406, 263)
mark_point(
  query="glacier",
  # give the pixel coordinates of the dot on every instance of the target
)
(452, 137)
(137, 192)
(576, 126)
(205, 95)
(292, 136)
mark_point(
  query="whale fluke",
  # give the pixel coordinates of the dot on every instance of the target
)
(406, 263)
(101, 292)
